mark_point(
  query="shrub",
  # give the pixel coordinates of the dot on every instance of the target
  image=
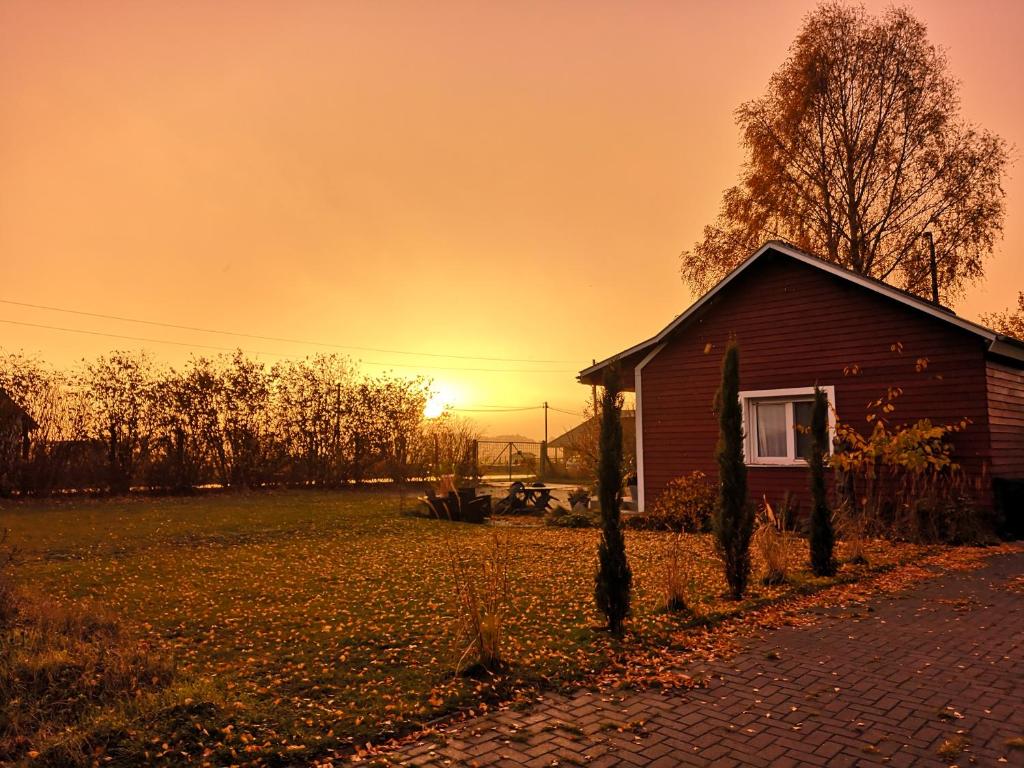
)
(685, 506)
(560, 517)
(733, 521)
(900, 481)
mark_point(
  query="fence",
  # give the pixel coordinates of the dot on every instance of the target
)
(511, 459)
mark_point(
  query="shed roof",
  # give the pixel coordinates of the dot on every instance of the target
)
(998, 344)
(571, 438)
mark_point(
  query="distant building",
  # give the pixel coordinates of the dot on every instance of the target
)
(577, 448)
(16, 427)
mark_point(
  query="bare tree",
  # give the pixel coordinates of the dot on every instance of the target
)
(1009, 322)
(856, 149)
(121, 393)
(445, 445)
(244, 408)
(308, 405)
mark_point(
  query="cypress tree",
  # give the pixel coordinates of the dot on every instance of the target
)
(733, 521)
(613, 579)
(823, 537)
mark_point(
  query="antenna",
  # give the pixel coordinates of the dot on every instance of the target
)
(934, 267)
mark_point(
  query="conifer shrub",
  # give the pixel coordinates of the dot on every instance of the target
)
(613, 580)
(733, 521)
(823, 536)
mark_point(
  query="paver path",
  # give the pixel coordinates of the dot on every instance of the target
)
(883, 685)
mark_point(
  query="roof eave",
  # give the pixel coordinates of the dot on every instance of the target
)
(997, 343)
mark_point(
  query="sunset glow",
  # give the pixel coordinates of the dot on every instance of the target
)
(493, 194)
(435, 407)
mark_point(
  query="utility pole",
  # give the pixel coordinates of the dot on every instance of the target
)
(593, 390)
(934, 267)
(544, 445)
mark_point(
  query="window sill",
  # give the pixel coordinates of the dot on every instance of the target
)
(778, 464)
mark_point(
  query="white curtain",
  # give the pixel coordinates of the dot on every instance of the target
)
(771, 430)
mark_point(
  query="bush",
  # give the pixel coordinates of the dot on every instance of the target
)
(941, 508)
(901, 482)
(685, 506)
(560, 517)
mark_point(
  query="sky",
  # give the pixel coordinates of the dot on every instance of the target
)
(503, 189)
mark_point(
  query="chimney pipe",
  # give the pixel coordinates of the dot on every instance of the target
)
(934, 267)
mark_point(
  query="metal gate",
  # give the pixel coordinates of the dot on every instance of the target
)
(512, 459)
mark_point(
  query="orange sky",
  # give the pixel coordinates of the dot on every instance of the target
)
(483, 179)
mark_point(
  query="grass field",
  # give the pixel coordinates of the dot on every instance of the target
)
(325, 619)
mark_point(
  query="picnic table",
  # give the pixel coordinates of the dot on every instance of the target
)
(527, 498)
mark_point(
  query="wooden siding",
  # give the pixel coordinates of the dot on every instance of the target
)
(797, 326)
(1006, 417)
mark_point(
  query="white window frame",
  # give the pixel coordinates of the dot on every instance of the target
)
(749, 398)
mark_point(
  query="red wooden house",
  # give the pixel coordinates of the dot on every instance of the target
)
(801, 321)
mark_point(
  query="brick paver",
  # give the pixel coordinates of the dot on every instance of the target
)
(884, 684)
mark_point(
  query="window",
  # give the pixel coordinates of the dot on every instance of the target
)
(777, 424)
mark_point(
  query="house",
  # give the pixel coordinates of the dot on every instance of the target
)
(801, 321)
(577, 447)
(16, 426)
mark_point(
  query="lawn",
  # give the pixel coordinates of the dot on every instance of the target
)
(325, 619)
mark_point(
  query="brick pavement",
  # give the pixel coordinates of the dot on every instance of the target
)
(883, 684)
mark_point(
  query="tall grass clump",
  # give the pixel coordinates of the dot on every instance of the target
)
(482, 602)
(772, 542)
(674, 575)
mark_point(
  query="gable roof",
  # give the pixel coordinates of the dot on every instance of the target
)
(998, 344)
(9, 409)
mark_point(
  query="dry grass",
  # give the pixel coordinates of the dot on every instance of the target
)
(325, 619)
(673, 576)
(852, 527)
(61, 670)
(482, 601)
(773, 544)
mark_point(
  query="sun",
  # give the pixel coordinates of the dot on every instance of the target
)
(435, 406)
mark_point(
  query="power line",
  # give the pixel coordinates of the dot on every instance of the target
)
(509, 409)
(567, 413)
(123, 319)
(273, 354)
(496, 410)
